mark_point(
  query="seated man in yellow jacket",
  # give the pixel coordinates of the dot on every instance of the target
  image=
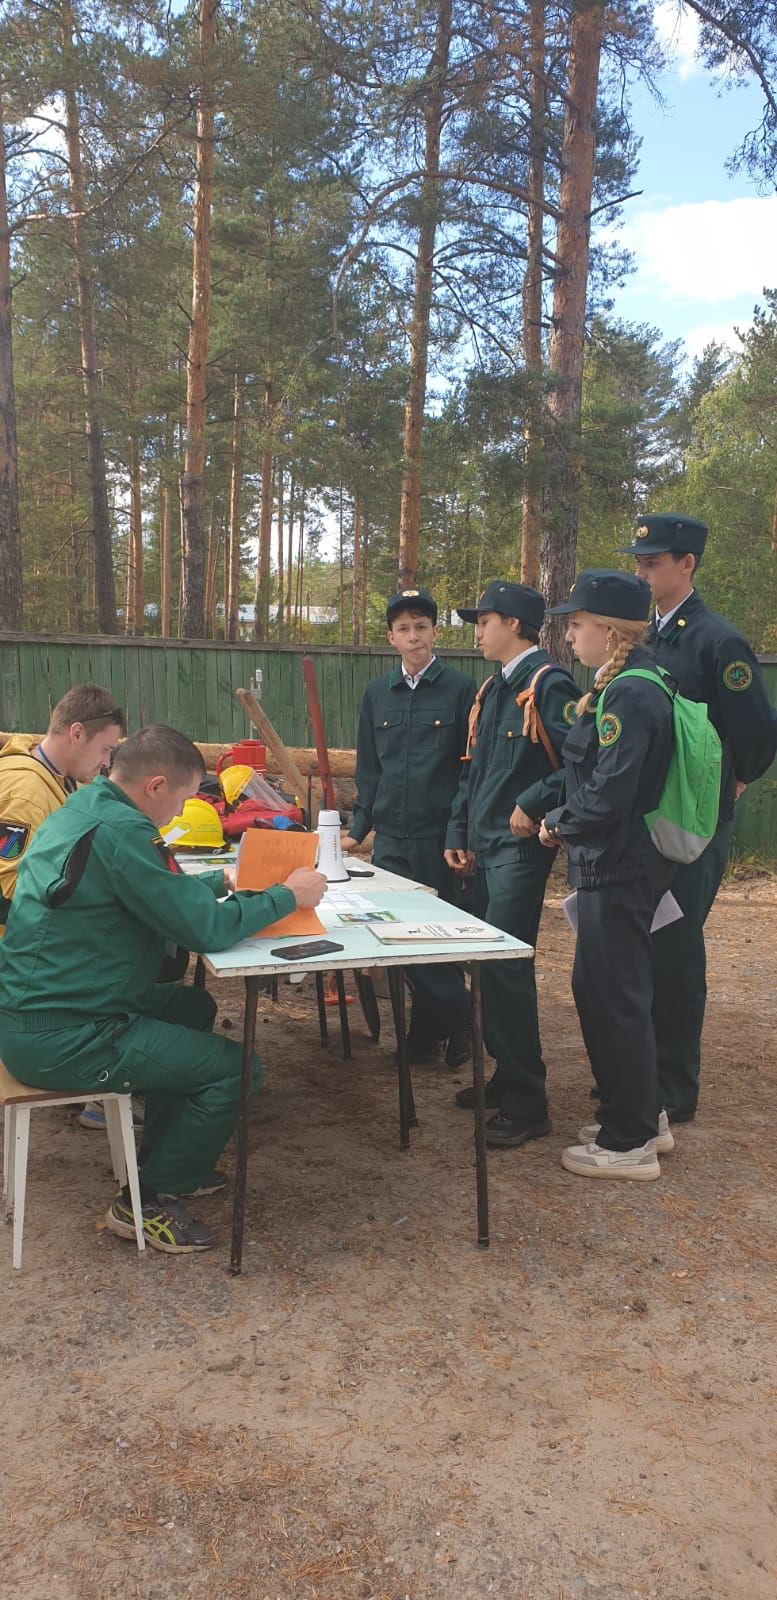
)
(99, 896)
(36, 777)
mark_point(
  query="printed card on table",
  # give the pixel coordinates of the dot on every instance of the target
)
(267, 857)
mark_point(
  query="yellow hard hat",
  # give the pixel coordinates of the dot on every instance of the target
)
(202, 827)
(233, 781)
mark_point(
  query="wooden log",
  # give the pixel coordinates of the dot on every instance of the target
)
(342, 763)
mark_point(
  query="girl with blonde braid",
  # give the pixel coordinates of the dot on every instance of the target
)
(615, 763)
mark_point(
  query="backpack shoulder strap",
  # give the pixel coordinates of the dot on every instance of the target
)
(533, 726)
(659, 676)
(474, 717)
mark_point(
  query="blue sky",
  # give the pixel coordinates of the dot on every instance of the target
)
(704, 242)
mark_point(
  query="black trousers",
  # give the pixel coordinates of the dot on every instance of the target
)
(612, 982)
(440, 999)
(510, 896)
(680, 975)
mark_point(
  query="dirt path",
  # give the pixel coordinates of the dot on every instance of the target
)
(377, 1411)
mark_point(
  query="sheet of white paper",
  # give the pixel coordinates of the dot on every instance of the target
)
(342, 900)
(667, 911)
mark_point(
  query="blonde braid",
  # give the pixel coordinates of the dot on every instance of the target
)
(628, 635)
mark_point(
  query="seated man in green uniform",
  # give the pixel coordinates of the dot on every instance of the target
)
(411, 739)
(710, 662)
(98, 896)
(525, 712)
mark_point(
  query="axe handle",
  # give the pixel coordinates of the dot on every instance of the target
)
(319, 736)
(263, 725)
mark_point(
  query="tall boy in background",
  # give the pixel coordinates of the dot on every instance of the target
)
(411, 739)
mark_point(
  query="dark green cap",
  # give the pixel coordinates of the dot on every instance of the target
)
(607, 593)
(411, 600)
(510, 600)
(656, 536)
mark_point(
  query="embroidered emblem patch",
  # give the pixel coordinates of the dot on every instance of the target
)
(642, 532)
(609, 729)
(570, 712)
(738, 675)
(13, 840)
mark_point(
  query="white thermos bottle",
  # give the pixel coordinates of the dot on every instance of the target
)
(330, 855)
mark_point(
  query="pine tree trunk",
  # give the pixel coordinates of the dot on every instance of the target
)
(135, 617)
(262, 598)
(165, 565)
(194, 576)
(561, 496)
(300, 570)
(280, 552)
(410, 507)
(531, 506)
(77, 591)
(357, 600)
(10, 532)
(105, 586)
(290, 557)
(232, 596)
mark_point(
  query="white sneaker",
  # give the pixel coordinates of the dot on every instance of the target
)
(591, 1161)
(664, 1143)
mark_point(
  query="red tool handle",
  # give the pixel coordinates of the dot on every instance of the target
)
(319, 736)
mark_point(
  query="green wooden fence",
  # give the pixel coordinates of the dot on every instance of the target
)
(192, 687)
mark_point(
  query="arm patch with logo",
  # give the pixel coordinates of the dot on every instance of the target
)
(14, 838)
(610, 729)
(737, 676)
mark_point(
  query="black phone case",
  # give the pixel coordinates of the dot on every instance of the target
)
(318, 947)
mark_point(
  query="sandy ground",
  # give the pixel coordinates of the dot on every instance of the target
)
(378, 1410)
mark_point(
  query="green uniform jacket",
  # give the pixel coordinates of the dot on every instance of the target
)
(97, 898)
(408, 753)
(711, 662)
(506, 769)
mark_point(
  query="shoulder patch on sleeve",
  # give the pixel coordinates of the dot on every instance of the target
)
(163, 849)
(569, 712)
(609, 729)
(738, 675)
(14, 839)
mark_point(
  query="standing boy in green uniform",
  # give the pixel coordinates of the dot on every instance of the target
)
(98, 896)
(710, 662)
(526, 711)
(411, 740)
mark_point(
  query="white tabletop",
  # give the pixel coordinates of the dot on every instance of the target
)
(253, 958)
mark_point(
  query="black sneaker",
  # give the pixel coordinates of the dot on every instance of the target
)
(214, 1183)
(167, 1225)
(459, 1048)
(512, 1131)
(465, 1098)
(419, 1051)
(680, 1113)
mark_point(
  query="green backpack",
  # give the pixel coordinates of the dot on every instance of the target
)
(686, 816)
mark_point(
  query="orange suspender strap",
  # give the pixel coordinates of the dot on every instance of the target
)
(533, 728)
(474, 718)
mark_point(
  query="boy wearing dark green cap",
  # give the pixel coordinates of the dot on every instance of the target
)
(411, 739)
(525, 713)
(710, 662)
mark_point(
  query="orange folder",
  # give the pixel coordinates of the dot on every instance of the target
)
(267, 858)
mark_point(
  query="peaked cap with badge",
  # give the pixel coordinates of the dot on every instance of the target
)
(607, 593)
(411, 600)
(667, 533)
(509, 600)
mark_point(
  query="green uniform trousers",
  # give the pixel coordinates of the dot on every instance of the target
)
(680, 975)
(510, 897)
(190, 1079)
(440, 999)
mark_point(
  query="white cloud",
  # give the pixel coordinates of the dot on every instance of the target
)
(724, 333)
(706, 252)
(678, 30)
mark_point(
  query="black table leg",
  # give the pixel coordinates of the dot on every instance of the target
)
(343, 1009)
(199, 973)
(478, 1083)
(323, 1028)
(407, 1116)
(243, 1126)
